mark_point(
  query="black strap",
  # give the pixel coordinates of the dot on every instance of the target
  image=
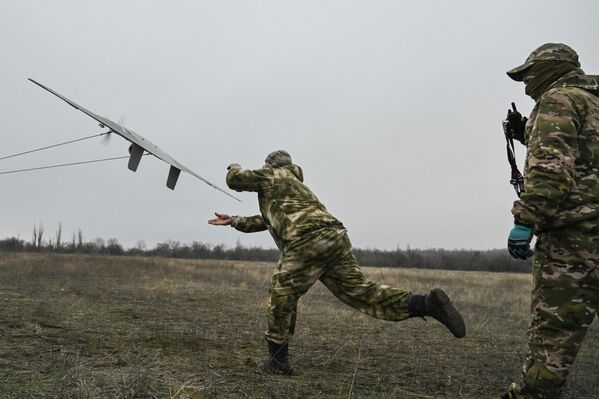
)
(516, 180)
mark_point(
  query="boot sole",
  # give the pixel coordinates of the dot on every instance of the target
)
(455, 321)
(276, 371)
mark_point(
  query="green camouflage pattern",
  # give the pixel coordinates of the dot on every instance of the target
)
(547, 52)
(561, 177)
(277, 158)
(327, 255)
(288, 208)
(248, 224)
(565, 299)
(314, 246)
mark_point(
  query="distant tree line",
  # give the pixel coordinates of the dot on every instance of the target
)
(496, 260)
(40, 242)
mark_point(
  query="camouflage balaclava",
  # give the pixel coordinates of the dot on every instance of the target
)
(276, 159)
(544, 66)
(544, 73)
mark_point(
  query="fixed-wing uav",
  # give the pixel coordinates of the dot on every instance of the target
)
(138, 146)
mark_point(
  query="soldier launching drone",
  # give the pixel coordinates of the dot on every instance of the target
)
(315, 246)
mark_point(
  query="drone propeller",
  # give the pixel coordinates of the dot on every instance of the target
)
(106, 138)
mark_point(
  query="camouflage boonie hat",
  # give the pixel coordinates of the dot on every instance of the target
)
(278, 158)
(547, 52)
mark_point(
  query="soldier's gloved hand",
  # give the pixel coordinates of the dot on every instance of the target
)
(518, 243)
(517, 124)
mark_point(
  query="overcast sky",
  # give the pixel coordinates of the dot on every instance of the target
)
(393, 109)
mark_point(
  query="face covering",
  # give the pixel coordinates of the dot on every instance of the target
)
(543, 74)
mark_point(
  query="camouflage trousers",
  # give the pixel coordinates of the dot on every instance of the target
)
(565, 299)
(326, 255)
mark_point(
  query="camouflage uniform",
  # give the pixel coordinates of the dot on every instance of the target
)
(561, 203)
(314, 246)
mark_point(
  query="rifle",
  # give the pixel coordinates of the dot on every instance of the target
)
(513, 128)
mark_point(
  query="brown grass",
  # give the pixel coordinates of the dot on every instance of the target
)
(122, 327)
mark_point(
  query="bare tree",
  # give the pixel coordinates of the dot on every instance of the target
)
(79, 239)
(99, 245)
(59, 236)
(40, 235)
(140, 245)
(34, 241)
(113, 247)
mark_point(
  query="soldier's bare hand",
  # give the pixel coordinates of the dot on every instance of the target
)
(220, 220)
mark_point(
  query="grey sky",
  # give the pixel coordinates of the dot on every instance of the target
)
(392, 109)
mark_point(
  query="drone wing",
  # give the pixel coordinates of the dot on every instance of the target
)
(138, 146)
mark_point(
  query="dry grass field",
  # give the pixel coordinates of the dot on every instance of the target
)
(75, 326)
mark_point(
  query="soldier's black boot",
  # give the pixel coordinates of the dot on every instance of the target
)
(505, 396)
(437, 305)
(278, 362)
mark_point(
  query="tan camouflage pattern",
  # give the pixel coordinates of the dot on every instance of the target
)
(561, 202)
(565, 299)
(561, 177)
(314, 247)
(546, 52)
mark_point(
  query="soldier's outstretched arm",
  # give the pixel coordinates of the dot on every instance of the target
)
(240, 179)
(552, 149)
(245, 224)
(248, 224)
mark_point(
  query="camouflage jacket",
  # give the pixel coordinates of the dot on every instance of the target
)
(561, 184)
(288, 207)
